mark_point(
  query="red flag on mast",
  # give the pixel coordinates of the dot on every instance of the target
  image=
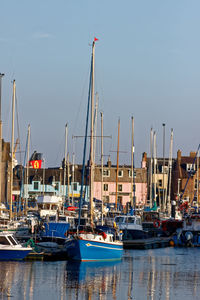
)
(95, 39)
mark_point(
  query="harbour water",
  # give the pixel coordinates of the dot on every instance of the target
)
(167, 273)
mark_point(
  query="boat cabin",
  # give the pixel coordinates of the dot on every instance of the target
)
(128, 222)
(8, 239)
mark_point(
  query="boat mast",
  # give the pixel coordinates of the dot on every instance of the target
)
(12, 148)
(117, 165)
(168, 206)
(155, 167)
(101, 168)
(92, 137)
(1, 76)
(95, 123)
(27, 170)
(151, 163)
(65, 160)
(163, 194)
(68, 177)
(85, 145)
(72, 185)
(132, 153)
(197, 181)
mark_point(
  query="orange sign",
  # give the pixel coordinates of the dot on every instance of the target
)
(36, 164)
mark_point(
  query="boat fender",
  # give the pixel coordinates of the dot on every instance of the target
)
(171, 243)
(104, 235)
(188, 235)
(156, 224)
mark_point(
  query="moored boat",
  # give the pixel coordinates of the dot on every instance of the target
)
(92, 245)
(89, 246)
(11, 249)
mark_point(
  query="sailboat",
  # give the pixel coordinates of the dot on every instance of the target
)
(90, 244)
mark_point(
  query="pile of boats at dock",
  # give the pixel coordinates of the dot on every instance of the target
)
(65, 235)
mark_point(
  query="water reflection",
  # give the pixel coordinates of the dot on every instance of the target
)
(162, 274)
(93, 279)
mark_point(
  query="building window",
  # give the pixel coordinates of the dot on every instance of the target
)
(120, 173)
(130, 173)
(36, 185)
(190, 167)
(56, 186)
(119, 187)
(165, 169)
(106, 173)
(105, 187)
(75, 186)
(160, 182)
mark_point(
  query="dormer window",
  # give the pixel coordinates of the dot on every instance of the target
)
(120, 173)
(130, 173)
(106, 173)
(190, 167)
(165, 168)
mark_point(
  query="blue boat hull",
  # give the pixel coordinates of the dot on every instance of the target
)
(13, 254)
(87, 250)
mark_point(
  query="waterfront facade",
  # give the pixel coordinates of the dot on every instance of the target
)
(50, 182)
(120, 189)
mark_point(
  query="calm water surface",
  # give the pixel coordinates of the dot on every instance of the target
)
(150, 274)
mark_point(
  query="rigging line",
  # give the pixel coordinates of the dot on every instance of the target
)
(85, 143)
(77, 117)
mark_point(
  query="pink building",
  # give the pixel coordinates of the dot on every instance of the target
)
(125, 184)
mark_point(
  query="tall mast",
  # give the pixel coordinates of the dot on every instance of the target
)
(168, 205)
(92, 137)
(197, 180)
(1, 76)
(101, 168)
(117, 165)
(95, 123)
(27, 169)
(68, 177)
(163, 194)
(151, 163)
(155, 166)
(72, 185)
(12, 148)
(132, 153)
(65, 159)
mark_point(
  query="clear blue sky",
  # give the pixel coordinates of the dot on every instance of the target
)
(147, 66)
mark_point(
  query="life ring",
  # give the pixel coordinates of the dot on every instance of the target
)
(156, 224)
